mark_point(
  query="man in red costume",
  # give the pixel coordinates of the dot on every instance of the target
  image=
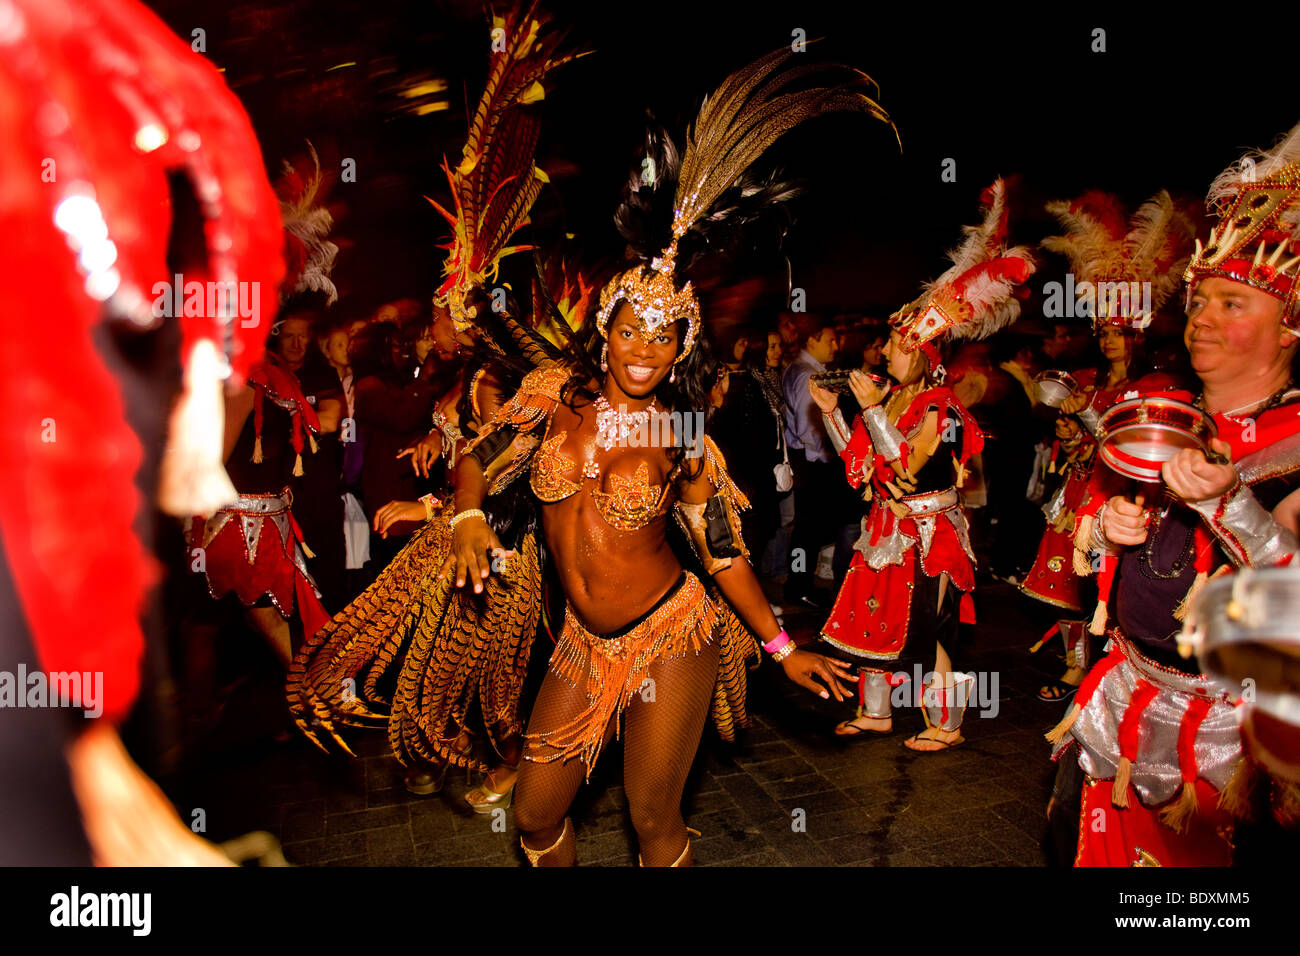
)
(1158, 743)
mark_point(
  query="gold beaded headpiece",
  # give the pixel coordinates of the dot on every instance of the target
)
(1124, 269)
(1257, 238)
(735, 125)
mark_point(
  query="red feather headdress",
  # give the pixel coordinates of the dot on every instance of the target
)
(976, 296)
(496, 182)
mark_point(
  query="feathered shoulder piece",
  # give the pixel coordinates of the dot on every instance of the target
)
(496, 182)
(308, 252)
(1131, 266)
(977, 295)
(681, 205)
(1257, 238)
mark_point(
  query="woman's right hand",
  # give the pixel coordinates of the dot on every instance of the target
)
(473, 547)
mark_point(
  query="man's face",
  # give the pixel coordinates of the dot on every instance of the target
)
(786, 327)
(822, 345)
(295, 336)
(1234, 332)
(336, 348)
(874, 353)
(1055, 344)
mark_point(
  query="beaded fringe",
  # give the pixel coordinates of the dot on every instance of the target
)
(616, 668)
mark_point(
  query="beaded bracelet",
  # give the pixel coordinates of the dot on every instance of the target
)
(471, 513)
(430, 503)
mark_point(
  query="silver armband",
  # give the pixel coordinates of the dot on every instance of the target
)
(885, 438)
(1089, 418)
(837, 430)
(1247, 530)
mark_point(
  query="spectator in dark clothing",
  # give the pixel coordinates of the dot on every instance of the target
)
(318, 492)
(750, 430)
(394, 398)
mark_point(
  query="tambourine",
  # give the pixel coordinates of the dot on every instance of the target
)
(1139, 435)
(1244, 629)
(1052, 387)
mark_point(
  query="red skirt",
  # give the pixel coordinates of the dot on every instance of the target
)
(1052, 578)
(1134, 835)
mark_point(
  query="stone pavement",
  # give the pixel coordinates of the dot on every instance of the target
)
(864, 802)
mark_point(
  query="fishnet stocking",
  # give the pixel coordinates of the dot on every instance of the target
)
(662, 734)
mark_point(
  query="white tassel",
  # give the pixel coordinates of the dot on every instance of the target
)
(193, 480)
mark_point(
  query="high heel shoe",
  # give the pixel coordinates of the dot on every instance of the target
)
(425, 779)
(483, 799)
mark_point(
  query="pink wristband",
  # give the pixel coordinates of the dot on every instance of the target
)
(778, 642)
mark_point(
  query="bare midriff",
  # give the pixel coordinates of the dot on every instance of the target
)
(610, 576)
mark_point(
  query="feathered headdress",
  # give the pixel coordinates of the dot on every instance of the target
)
(976, 296)
(1257, 239)
(677, 207)
(496, 182)
(1132, 267)
(308, 253)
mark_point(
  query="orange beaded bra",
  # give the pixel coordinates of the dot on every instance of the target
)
(631, 504)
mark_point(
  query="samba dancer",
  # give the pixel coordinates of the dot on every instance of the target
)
(458, 664)
(634, 614)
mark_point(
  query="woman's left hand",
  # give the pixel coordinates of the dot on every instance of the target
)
(803, 666)
(1192, 477)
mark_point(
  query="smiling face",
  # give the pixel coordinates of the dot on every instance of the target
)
(773, 350)
(636, 367)
(1235, 333)
(874, 353)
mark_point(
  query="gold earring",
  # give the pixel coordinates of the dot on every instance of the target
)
(604, 357)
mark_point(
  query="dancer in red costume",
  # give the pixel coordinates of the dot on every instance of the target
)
(1158, 742)
(1124, 271)
(914, 556)
(254, 547)
(100, 103)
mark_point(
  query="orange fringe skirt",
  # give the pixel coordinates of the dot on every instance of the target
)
(616, 667)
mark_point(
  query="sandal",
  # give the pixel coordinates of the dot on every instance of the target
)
(483, 799)
(944, 744)
(849, 728)
(425, 779)
(1057, 691)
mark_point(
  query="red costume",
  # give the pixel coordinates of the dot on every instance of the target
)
(915, 549)
(1161, 743)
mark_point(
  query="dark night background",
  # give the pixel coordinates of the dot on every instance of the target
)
(1168, 104)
